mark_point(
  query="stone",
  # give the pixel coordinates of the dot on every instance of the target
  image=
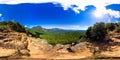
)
(6, 52)
(79, 47)
(58, 47)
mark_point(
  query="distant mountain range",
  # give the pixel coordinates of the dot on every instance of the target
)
(53, 30)
(57, 30)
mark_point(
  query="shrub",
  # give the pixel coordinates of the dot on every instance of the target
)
(16, 26)
(110, 26)
(117, 27)
(96, 32)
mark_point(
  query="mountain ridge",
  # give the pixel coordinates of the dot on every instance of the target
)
(54, 30)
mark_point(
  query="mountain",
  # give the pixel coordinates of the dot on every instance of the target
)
(58, 30)
(53, 30)
(38, 29)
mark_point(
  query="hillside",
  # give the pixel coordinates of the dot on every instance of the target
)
(57, 36)
(109, 49)
(20, 44)
(14, 43)
(112, 49)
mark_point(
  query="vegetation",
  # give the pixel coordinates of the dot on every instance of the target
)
(58, 36)
(64, 38)
(110, 26)
(117, 27)
(98, 32)
(16, 26)
(34, 33)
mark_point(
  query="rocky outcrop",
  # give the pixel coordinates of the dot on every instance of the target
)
(12, 44)
(80, 47)
(110, 48)
(5, 53)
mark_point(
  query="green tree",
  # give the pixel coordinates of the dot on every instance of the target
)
(20, 28)
(110, 26)
(117, 27)
(97, 32)
(88, 32)
(16, 26)
(3, 23)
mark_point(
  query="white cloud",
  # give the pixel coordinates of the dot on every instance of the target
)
(81, 5)
(116, 14)
(0, 14)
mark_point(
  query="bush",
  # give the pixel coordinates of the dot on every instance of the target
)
(117, 27)
(16, 26)
(110, 26)
(34, 33)
(96, 32)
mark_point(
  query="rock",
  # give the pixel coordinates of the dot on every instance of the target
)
(64, 49)
(47, 48)
(25, 52)
(80, 47)
(1, 37)
(114, 51)
(4, 53)
(58, 47)
(66, 46)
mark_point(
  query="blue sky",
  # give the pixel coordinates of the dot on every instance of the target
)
(60, 14)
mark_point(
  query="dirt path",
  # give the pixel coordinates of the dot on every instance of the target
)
(37, 53)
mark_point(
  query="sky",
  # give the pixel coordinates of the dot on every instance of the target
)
(64, 14)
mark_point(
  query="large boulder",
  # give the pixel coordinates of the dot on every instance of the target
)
(58, 47)
(80, 47)
(65, 49)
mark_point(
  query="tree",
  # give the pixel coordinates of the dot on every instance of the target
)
(16, 26)
(110, 26)
(3, 23)
(117, 27)
(10, 23)
(97, 32)
(20, 28)
(88, 32)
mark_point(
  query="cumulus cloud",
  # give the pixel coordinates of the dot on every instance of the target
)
(79, 5)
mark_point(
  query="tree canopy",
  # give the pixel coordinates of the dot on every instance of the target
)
(98, 31)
